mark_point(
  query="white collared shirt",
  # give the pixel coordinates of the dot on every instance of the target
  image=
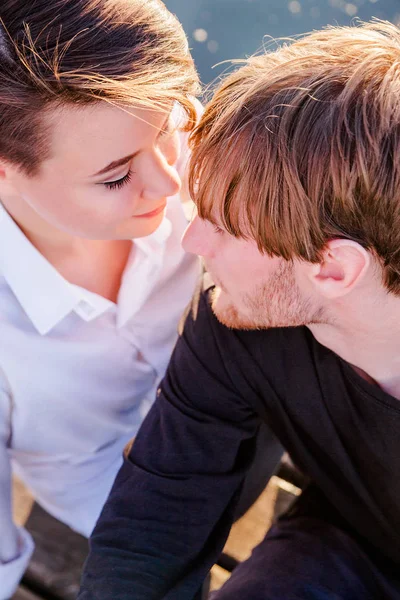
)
(78, 373)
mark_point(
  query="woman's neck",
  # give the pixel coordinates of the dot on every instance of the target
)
(96, 265)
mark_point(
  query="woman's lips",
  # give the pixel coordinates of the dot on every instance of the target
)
(152, 213)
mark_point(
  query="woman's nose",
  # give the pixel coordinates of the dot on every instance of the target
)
(162, 179)
(196, 239)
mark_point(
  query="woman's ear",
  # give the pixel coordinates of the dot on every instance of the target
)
(7, 176)
(3, 169)
(343, 266)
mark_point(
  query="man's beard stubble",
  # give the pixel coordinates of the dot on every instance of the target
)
(274, 303)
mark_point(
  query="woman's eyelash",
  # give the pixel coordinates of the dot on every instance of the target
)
(218, 229)
(119, 183)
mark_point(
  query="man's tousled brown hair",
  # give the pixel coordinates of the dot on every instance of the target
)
(59, 52)
(302, 145)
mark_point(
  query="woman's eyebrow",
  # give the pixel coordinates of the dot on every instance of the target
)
(122, 161)
(115, 163)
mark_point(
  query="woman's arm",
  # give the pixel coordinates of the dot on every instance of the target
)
(16, 545)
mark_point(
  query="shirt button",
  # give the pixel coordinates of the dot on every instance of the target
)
(86, 308)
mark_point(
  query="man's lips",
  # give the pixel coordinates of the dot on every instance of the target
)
(152, 213)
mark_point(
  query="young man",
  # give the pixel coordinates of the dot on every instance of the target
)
(300, 227)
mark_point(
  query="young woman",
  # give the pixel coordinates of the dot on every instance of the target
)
(93, 279)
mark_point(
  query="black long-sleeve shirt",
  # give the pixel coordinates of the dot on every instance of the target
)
(171, 507)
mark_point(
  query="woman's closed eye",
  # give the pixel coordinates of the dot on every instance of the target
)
(118, 183)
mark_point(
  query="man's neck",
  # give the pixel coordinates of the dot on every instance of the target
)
(369, 340)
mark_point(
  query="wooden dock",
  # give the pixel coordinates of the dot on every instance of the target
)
(245, 534)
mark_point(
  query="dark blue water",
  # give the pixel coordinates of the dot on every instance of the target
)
(219, 30)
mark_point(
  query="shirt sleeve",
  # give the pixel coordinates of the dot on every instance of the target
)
(16, 545)
(171, 508)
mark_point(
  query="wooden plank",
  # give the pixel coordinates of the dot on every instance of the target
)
(23, 593)
(252, 527)
(22, 502)
(218, 577)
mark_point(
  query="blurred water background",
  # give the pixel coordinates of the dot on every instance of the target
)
(221, 30)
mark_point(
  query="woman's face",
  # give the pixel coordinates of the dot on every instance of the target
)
(108, 176)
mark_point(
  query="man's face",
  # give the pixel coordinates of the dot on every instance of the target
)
(253, 290)
(74, 190)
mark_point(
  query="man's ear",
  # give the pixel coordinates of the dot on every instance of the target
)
(343, 266)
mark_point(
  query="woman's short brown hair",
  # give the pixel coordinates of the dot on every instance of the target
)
(129, 52)
(302, 145)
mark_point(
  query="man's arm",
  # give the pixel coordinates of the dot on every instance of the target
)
(171, 507)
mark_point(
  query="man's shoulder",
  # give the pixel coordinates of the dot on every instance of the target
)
(257, 368)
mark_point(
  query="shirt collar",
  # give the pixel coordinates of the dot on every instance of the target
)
(43, 293)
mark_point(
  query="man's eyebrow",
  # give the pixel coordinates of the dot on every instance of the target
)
(115, 164)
